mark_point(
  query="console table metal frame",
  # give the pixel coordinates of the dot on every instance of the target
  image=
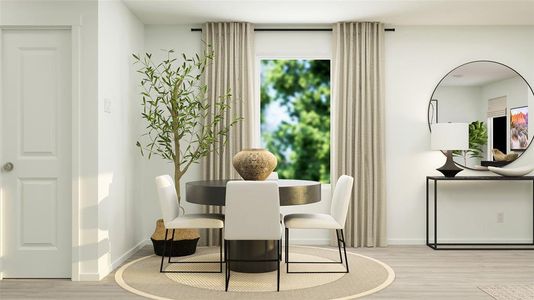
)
(461, 246)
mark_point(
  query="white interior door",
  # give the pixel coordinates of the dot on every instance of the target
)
(36, 141)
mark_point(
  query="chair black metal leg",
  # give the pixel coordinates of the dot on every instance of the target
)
(285, 246)
(228, 265)
(219, 261)
(226, 281)
(229, 259)
(170, 248)
(225, 256)
(287, 250)
(340, 240)
(345, 250)
(339, 246)
(163, 254)
(280, 250)
(220, 250)
(278, 268)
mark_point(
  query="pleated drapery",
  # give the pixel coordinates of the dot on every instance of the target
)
(232, 70)
(359, 127)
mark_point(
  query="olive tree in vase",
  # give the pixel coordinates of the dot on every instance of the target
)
(182, 126)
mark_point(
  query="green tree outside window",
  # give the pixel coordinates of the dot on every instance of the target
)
(295, 116)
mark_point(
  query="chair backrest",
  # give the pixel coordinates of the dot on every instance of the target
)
(341, 199)
(252, 211)
(273, 176)
(168, 201)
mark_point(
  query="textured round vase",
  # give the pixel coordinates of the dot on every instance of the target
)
(254, 164)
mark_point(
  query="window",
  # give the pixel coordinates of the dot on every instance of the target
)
(295, 116)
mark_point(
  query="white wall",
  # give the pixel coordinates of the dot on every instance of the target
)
(459, 104)
(416, 59)
(120, 34)
(81, 16)
(531, 107)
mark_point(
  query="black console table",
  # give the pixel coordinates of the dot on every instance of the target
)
(472, 246)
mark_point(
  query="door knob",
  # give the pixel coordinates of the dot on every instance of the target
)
(8, 167)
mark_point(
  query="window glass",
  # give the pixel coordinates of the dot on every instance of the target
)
(295, 116)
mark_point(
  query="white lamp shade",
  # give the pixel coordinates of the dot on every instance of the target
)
(450, 136)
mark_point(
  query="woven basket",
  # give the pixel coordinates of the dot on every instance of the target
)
(175, 248)
(184, 242)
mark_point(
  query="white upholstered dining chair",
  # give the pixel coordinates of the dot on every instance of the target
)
(173, 220)
(252, 211)
(335, 220)
(273, 176)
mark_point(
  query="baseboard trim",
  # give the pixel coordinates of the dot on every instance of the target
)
(119, 261)
(114, 265)
(408, 242)
(310, 242)
(89, 277)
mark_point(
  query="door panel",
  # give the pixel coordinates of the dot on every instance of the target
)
(36, 138)
(40, 101)
(38, 201)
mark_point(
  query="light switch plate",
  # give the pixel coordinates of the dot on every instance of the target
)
(107, 105)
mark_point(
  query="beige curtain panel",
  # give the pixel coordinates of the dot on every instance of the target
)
(232, 69)
(358, 128)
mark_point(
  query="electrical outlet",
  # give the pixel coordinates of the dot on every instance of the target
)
(500, 217)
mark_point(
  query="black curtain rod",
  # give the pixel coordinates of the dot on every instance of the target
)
(293, 29)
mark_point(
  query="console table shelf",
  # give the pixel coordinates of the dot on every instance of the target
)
(471, 246)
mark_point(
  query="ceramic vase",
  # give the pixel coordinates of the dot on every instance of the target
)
(254, 164)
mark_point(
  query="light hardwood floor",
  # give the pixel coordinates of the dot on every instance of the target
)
(421, 273)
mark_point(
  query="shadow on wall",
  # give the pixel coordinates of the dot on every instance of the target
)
(107, 224)
(92, 227)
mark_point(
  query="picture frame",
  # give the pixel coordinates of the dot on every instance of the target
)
(519, 128)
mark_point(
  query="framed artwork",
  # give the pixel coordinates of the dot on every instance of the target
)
(519, 128)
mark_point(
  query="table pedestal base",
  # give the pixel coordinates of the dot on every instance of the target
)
(253, 250)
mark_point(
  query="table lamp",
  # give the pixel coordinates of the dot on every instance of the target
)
(448, 137)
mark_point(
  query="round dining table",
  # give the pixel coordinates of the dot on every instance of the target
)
(292, 192)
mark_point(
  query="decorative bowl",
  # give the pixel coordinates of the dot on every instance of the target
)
(480, 168)
(512, 172)
(499, 156)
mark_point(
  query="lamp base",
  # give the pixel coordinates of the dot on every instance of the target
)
(449, 169)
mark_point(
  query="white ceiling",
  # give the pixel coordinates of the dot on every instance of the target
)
(478, 74)
(394, 12)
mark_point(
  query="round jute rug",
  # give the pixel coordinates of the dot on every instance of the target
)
(367, 276)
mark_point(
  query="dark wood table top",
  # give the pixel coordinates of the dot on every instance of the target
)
(292, 191)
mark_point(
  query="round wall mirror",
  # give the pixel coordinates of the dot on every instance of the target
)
(494, 100)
